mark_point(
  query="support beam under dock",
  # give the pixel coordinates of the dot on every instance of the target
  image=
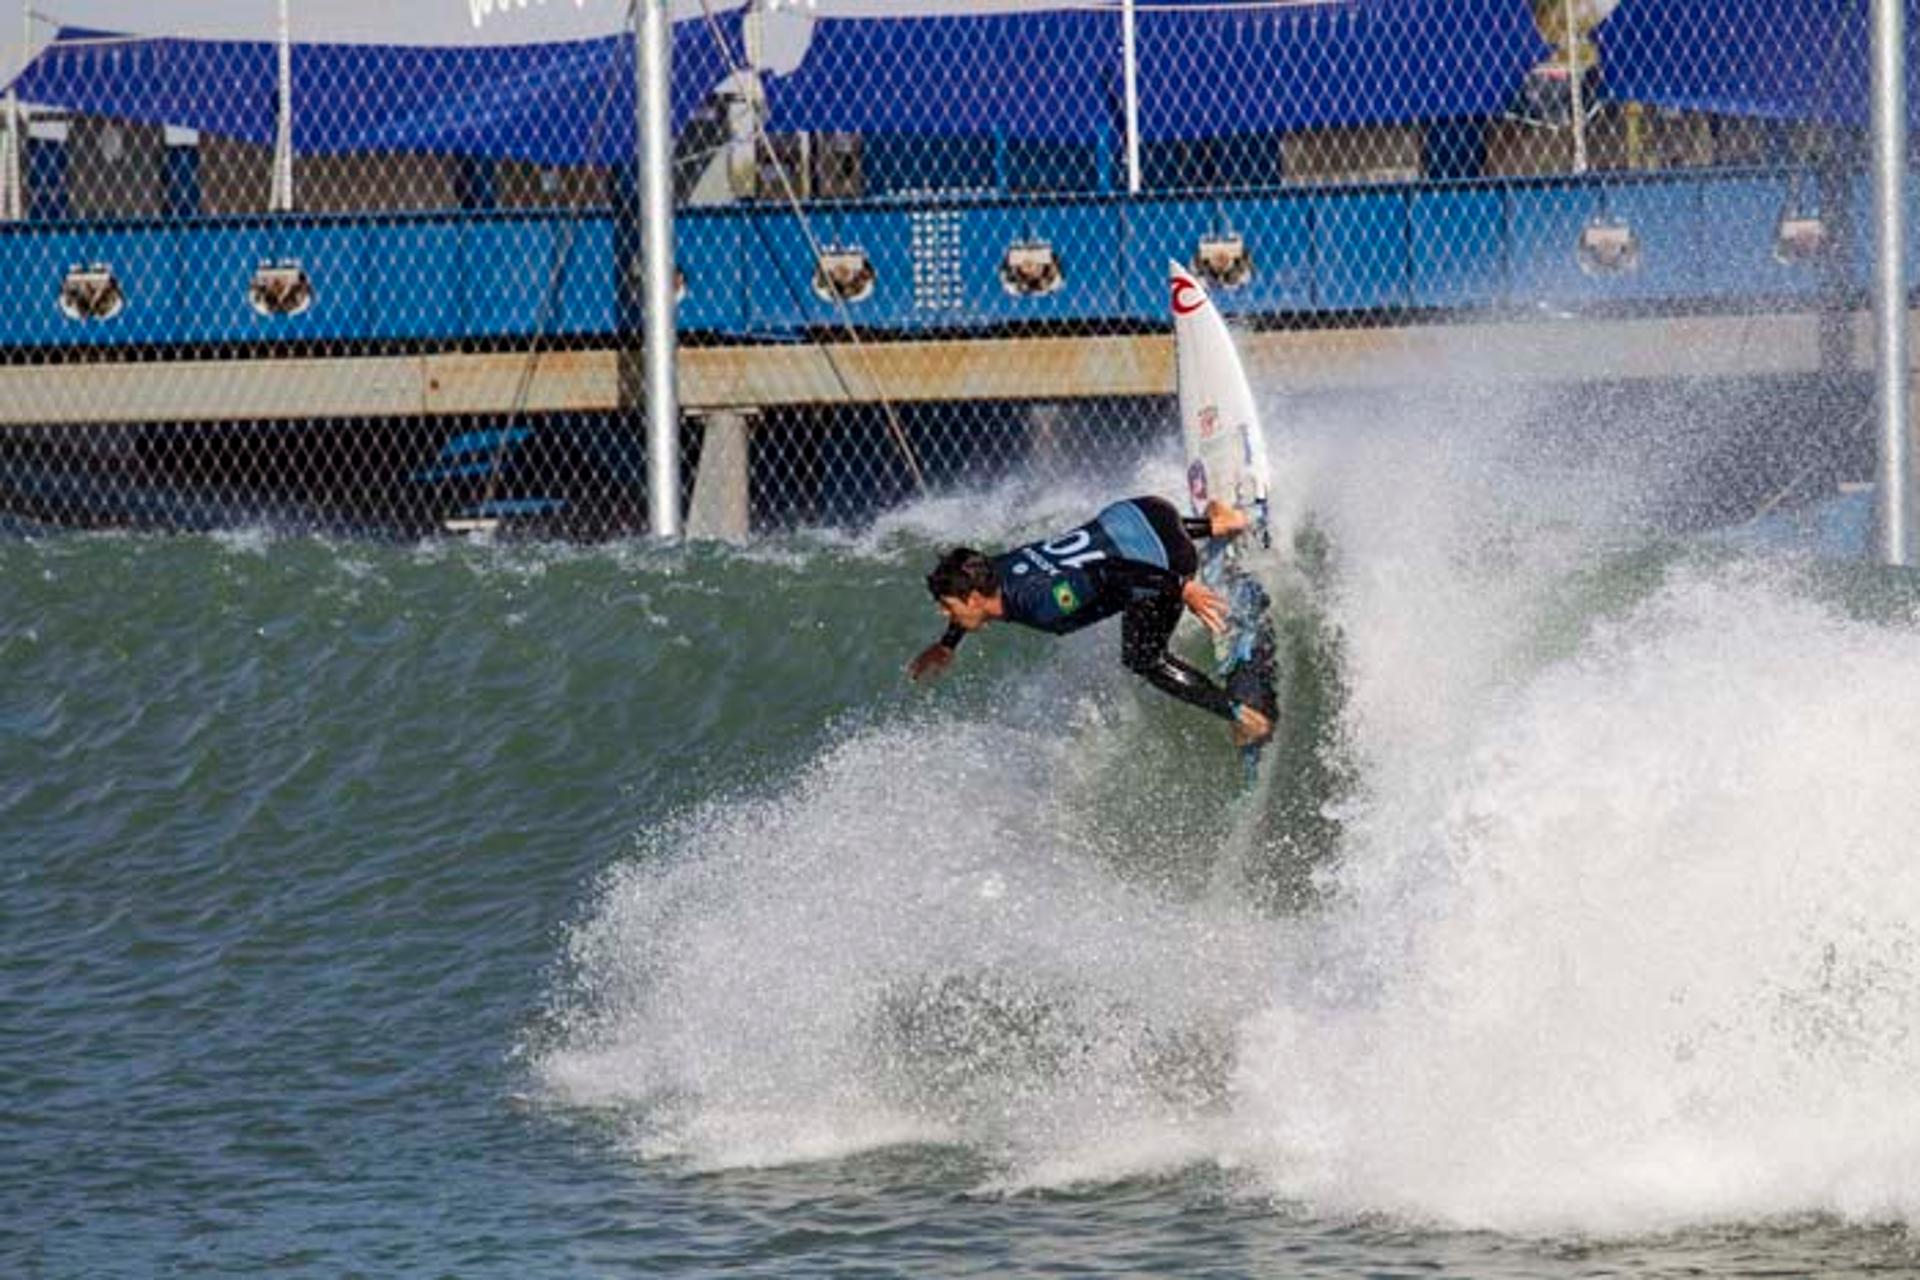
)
(1547, 351)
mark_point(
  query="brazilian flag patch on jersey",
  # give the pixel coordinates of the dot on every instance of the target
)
(1064, 597)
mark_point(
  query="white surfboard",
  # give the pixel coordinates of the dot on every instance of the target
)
(1226, 459)
(1226, 452)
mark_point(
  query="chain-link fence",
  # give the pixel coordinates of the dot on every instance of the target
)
(339, 267)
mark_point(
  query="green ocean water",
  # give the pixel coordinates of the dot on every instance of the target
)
(462, 909)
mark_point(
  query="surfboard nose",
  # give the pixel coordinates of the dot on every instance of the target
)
(1188, 294)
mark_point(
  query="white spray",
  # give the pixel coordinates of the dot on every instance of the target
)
(1618, 938)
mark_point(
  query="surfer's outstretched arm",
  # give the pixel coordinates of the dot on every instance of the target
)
(934, 659)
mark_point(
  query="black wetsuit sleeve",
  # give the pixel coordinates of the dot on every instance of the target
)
(951, 640)
(1197, 526)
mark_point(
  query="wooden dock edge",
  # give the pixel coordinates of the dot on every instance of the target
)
(1547, 350)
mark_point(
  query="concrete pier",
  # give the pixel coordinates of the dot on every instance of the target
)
(720, 510)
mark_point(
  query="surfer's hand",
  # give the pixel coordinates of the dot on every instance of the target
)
(930, 662)
(1207, 605)
(1225, 520)
(1250, 726)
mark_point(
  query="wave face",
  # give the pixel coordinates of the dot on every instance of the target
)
(626, 901)
(1601, 925)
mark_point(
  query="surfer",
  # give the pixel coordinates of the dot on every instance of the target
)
(1136, 558)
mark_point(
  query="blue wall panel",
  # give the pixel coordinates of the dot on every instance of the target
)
(708, 249)
(589, 285)
(1866, 238)
(34, 261)
(1546, 223)
(1083, 237)
(447, 277)
(1457, 247)
(413, 280)
(778, 266)
(1739, 220)
(505, 270)
(1665, 216)
(1543, 224)
(20, 254)
(1360, 251)
(217, 265)
(1278, 234)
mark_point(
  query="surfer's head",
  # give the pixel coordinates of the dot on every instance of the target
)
(966, 588)
(963, 572)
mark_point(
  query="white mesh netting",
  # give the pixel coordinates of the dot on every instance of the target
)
(379, 272)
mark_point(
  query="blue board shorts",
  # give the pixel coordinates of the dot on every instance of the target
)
(1151, 531)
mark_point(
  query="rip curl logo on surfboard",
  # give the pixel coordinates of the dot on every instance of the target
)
(1188, 297)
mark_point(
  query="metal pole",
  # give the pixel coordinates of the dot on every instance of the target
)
(653, 64)
(1130, 53)
(1578, 98)
(12, 207)
(1893, 494)
(13, 202)
(280, 199)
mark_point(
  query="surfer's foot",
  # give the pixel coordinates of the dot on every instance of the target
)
(1250, 727)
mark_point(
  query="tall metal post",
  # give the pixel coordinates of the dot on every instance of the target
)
(1576, 91)
(12, 206)
(1893, 494)
(280, 200)
(653, 65)
(1130, 54)
(13, 201)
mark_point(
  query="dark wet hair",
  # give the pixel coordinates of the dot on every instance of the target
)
(961, 571)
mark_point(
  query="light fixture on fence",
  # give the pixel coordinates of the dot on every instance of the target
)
(679, 285)
(91, 292)
(844, 274)
(280, 289)
(1222, 258)
(1031, 269)
(1798, 237)
(1607, 246)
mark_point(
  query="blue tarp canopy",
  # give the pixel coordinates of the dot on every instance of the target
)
(1214, 71)
(1054, 75)
(1204, 70)
(1805, 60)
(552, 103)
